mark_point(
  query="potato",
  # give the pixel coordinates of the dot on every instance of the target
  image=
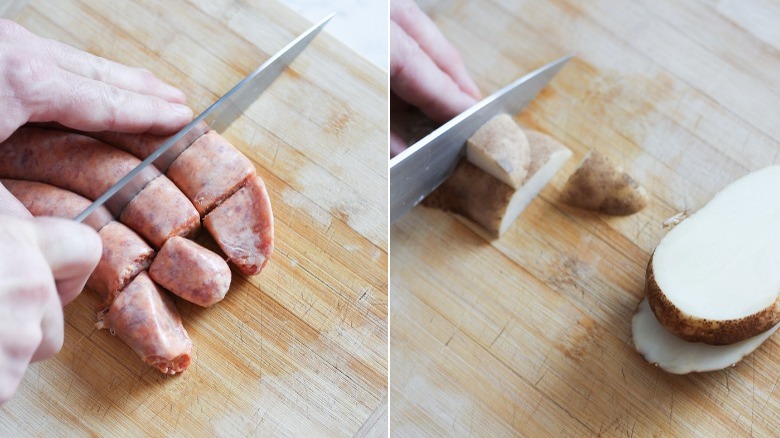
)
(678, 356)
(500, 148)
(487, 201)
(600, 185)
(714, 277)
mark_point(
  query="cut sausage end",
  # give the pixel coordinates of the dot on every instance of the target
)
(125, 255)
(145, 319)
(210, 170)
(242, 226)
(191, 272)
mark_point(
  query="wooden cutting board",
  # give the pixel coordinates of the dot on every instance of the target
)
(531, 334)
(300, 350)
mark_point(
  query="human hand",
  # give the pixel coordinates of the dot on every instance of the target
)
(426, 71)
(44, 264)
(43, 80)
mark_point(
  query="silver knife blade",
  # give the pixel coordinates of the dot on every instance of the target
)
(418, 170)
(219, 116)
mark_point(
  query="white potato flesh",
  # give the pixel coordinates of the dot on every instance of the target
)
(531, 188)
(723, 262)
(678, 356)
(500, 148)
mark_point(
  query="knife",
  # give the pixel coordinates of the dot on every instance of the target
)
(219, 116)
(419, 169)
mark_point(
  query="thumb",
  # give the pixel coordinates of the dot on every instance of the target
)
(72, 251)
(11, 206)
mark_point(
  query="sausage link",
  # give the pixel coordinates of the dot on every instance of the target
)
(145, 319)
(67, 160)
(46, 200)
(191, 272)
(143, 145)
(125, 253)
(243, 227)
(89, 167)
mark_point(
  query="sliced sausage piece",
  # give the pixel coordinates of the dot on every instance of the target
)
(125, 253)
(46, 200)
(145, 319)
(160, 211)
(210, 170)
(89, 167)
(243, 226)
(191, 272)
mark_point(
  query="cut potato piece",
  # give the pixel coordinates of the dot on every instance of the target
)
(500, 148)
(600, 185)
(677, 356)
(715, 277)
(480, 197)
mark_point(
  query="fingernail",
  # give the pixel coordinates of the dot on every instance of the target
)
(182, 109)
(176, 94)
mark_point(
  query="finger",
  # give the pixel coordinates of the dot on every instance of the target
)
(90, 105)
(72, 251)
(397, 145)
(396, 103)
(85, 64)
(415, 78)
(422, 29)
(52, 331)
(11, 206)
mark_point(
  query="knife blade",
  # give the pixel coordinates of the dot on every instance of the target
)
(219, 116)
(418, 170)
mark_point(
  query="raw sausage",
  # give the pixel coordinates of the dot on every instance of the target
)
(207, 172)
(146, 320)
(67, 160)
(125, 254)
(143, 145)
(243, 227)
(160, 212)
(210, 170)
(46, 200)
(11, 206)
(191, 272)
(89, 167)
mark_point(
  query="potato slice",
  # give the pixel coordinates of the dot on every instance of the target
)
(480, 197)
(715, 277)
(678, 356)
(601, 185)
(500, 148)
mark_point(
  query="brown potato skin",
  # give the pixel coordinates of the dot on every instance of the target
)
(694, 329)
(475, 194)
(601, 185)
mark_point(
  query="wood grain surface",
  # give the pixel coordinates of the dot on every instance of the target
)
(531, 334)
(300, 350)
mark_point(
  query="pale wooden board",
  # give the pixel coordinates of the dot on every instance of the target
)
(530, 335)
(300, 350)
